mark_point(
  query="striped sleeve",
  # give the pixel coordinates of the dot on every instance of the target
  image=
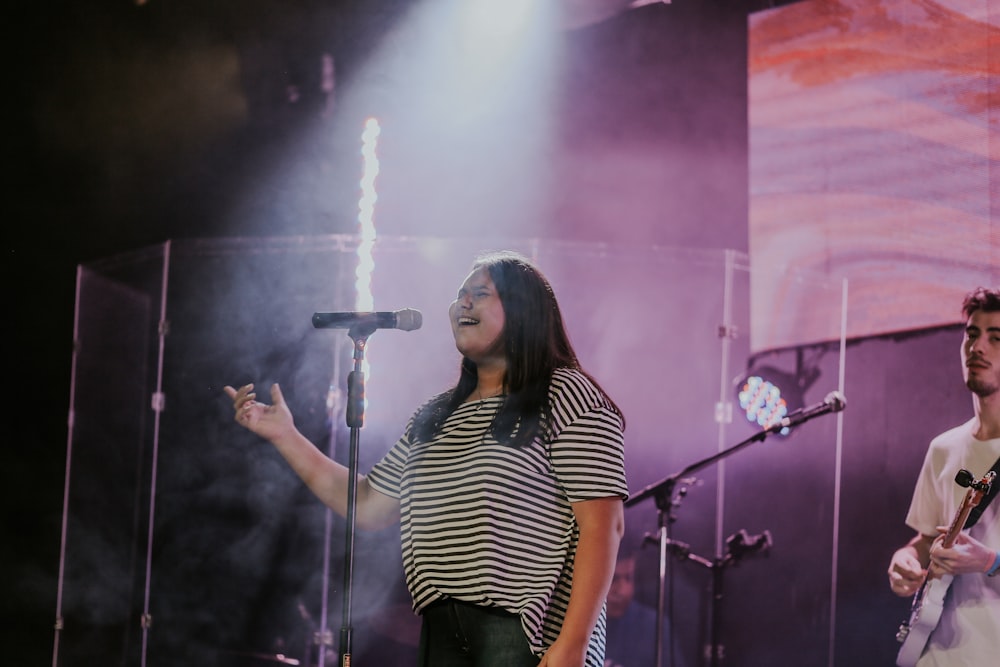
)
(386, 476)
(588, 449)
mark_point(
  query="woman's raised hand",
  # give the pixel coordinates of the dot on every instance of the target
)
(267, 421)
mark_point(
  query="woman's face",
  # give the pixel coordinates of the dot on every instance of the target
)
(477, 319)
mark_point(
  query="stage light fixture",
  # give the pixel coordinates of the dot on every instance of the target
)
(767, 394)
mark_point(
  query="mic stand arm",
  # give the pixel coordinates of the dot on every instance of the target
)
(664, 488)
(663, 494)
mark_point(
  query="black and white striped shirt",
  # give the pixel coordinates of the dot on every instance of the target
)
(491, 524)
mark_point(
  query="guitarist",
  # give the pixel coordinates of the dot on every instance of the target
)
(968, 631)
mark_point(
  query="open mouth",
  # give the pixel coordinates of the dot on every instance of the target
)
(467, 321)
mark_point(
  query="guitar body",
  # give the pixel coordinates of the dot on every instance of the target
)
(925, 614)
(928, 603)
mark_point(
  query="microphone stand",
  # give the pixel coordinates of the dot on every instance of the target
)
(359, 333)
(663, 494)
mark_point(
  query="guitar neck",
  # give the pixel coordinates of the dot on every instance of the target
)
(960, 518)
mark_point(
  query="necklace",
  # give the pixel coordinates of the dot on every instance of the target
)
(488, 431)
(490, 394)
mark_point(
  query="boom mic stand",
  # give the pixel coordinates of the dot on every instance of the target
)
(663, 494)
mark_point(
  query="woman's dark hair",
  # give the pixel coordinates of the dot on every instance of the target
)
(981, 298)
(535, 343)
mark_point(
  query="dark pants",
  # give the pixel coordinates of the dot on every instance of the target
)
(460, 634)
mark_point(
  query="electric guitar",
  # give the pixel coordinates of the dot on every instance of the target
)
(925, 611)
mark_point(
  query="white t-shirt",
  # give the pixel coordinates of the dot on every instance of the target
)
(968, 632)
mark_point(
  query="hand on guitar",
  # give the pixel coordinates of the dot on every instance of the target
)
(906, 573)
(966, 555)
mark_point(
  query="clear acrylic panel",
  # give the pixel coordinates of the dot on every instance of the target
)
(236, 563)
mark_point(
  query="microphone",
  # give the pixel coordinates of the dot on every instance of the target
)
(834, 402)
(406, 319)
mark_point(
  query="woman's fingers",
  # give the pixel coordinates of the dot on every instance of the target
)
(243, 401)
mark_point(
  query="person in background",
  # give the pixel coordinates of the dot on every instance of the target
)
(968, 632)
(509, 486)
(631, 624)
